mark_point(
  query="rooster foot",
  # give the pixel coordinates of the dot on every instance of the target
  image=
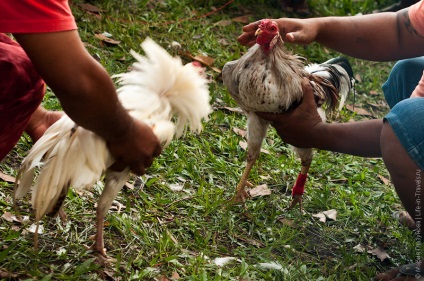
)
(241, 194)
(297, 199)
(102, 258)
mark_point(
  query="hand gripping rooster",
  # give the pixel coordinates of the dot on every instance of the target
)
(268, 79)
(70, 156)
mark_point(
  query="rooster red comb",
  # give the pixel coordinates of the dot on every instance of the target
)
(264, 23)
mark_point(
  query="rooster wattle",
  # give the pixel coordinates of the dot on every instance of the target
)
(159, 90)
(268, 79)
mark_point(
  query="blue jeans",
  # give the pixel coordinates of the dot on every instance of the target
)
(406, 116)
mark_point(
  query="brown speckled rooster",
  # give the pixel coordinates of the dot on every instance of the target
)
(268, 79)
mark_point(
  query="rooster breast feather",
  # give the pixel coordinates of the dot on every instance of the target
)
(268, 83)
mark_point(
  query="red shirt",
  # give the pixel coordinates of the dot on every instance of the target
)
(35, 16)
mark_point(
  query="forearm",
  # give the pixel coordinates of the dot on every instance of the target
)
(83, 86)
(93, 104)
(356, 138)
(378, 37)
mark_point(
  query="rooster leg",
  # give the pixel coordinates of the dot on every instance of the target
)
(114, 183)
(241, 194)
(299, 187)
(256, 131)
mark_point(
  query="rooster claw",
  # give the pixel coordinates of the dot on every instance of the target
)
(241, 196)
(102, 258)
(297, 199)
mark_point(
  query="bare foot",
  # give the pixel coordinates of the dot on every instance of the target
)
(404, 273)
(40, 121)
(405, 219)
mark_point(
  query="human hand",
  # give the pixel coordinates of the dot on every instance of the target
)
(297, 31)
(136, 149)
(301, 126)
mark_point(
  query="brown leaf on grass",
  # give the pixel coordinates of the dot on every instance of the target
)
(287, 222)
(373, 93)
(320, 216)
(380, 253)
(7, 178)
(384, 180)
(106, 39)
(242, 19)
(260, 190)
(175, 276)
(240, 132)
(7, 274)
(8, 216)
(223, 42)
(358, 110)
(204, 59)
(223, 23)
(329, 214)
(358, 78)
(162, 278)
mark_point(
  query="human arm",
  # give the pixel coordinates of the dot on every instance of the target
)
(378, 37)
(303, 128)
(87, 94)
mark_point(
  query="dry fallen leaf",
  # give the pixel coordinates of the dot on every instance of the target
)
(287, 222)
(384, 180)
(6, 274)
(7, 178)
(223, 42)
(175, 276)
(358, 78)
(380, 253)
(260, 190)
(107, 39)
(223, 23)
(242, 19)
(8, 216)
(358, 110)
(201, 59)
(330, 214)
(373, 93)
(320, 216)
(204, 59)
(240, 132)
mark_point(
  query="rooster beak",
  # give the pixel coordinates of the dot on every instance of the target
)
(258, 32)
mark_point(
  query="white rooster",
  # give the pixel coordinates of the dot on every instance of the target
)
(268, 79)
(70, 156)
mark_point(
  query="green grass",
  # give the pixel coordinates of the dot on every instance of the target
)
(160, 232)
